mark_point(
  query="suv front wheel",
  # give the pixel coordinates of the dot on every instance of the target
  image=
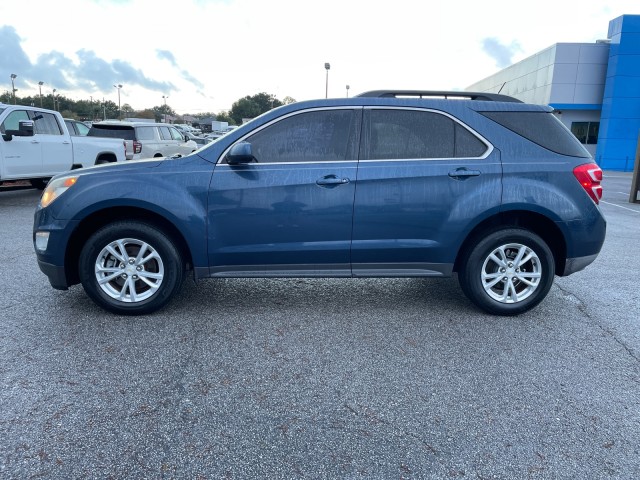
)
(508, 272)
(130, 268)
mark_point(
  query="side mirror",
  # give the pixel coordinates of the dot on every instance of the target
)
(25, 129)
(239, 154)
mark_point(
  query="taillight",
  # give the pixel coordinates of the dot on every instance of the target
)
(137, 147)
(590, 176)
(124, 142)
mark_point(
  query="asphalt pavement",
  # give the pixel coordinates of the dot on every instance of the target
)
(338, 378)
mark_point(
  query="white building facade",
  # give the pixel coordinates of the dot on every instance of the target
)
(593, 87)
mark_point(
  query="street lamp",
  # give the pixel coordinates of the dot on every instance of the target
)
(326, 91)
(13, 87)
(40, 88)
(53, 95)
(164, 97)
(119, 110)
(348, 91)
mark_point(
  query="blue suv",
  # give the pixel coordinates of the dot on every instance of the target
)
(385, 184)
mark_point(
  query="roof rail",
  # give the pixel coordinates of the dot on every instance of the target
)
(483, 96)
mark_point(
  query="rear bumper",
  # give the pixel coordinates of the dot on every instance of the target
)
(573, 265)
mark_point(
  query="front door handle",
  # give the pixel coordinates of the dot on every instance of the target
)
(463, 173)
(331, 181)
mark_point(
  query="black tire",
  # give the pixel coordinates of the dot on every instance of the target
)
(503, 284)
(39, 183)
(124, 290)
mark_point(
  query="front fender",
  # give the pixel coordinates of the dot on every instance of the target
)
(179, 197)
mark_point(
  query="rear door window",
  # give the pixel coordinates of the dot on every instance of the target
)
(146, 133)
(46, 123)
(396, 134)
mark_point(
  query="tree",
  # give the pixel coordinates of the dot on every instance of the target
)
(127, 111)
(109, 109)
(224, 116)
(288, 100)
(252, 106)
(147, 113)
(161, 110)
(69, 114)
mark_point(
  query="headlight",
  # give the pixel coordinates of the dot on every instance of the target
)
(56, 188)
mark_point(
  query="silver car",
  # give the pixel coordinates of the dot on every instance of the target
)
(149, 139)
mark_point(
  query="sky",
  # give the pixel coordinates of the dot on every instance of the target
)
(205, 54)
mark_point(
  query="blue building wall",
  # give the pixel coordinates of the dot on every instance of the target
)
(620, 119)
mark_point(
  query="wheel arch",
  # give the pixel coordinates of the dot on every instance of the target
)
(98, 219)
(542, 226)
(106, 157)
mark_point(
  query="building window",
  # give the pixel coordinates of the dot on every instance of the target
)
(586, 132)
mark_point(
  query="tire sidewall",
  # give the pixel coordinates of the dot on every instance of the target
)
(470, 276)
(173, 266)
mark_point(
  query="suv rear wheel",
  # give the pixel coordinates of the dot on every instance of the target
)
(130, 268)
(508, 272)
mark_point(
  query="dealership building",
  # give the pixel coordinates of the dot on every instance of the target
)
(593, 87)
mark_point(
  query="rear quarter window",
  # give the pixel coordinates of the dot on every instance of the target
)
(541, 128)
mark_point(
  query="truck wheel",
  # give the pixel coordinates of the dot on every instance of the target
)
(39, 183)
(508, 272)
(130, 268)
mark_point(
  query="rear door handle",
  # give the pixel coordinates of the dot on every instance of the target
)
(463, 173)
(331, 181)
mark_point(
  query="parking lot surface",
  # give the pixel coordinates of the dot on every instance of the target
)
(340, 378)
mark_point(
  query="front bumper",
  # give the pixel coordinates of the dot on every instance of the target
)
(56, 275)
(51, 261)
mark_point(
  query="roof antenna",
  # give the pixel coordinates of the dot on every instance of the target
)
(502, 87)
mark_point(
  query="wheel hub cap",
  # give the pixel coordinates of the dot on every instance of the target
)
(129, 270)
(511, 273)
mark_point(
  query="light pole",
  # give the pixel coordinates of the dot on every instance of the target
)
(119, 110)
(53, 96)
(164, 97)
(326, 90)
(40, 88)
(91, 107)
(13, 87)
(348, 91)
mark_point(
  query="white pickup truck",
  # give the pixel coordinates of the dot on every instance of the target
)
(36, 145)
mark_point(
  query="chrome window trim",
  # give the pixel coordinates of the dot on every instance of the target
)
(332, 162)
(488, 144)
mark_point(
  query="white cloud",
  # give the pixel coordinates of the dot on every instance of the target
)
(225, 49)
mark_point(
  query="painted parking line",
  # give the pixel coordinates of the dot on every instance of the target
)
(620, 206)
